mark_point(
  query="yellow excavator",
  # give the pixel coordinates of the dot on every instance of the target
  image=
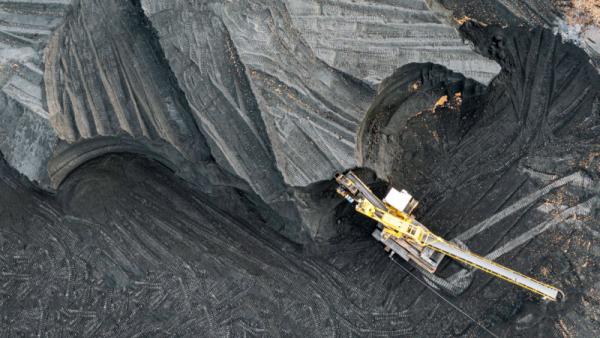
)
(403, 235)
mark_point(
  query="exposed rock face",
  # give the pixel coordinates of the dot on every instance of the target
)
(26, 137)
(371, 39)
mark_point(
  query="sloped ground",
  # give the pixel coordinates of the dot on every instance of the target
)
(26, 136)
(576, 20)
(512, 169)
(126, 248)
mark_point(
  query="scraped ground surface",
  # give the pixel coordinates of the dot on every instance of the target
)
(127, 248)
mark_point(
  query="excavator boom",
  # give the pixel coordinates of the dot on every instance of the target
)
(404, 235)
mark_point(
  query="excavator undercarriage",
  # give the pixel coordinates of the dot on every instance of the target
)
(406, 237)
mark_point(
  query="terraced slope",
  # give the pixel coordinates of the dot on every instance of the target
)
(370, 39)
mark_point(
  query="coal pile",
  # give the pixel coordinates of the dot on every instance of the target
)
(167, 166)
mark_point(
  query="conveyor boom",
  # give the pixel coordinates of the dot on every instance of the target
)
(402, 234)
(495, 269)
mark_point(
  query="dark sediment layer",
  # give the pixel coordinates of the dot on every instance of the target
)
(125, 248)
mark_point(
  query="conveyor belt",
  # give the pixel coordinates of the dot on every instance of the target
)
(495, 269)
(404, 229)
(365, 191)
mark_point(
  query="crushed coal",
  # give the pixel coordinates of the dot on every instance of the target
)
(129, 245)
